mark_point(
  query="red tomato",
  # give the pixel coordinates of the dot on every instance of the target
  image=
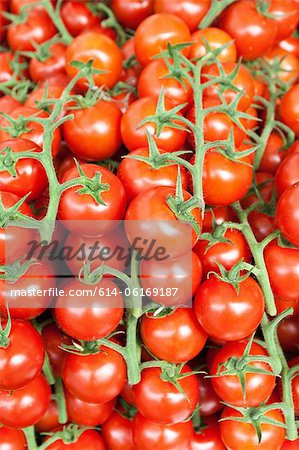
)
(8, 61)
(287, 173)
(226, 253)
(43, 94)
(176, 338)
(37, 29)
(209, 400)
(290, 445)
(291, 45)
(254, 34)
(220, 214)
(208, 438)
(261, 224)
(8, 103)
(104, 53)
(149, 216)
(77, 17)
(285, 13)
(155, 32)
(52, 66)
(288, 64)
(134, 137)
(148, 434)
(54, 341)
(82, 213)
(95, 378)
(117, 432)
(30, 176)
(215, 38)
(225, 314)
(94, 133)
(12, 439)
(273, 154)
(32, 131)
(3, 20)
(191, 11)
(26, 406)
(50, 419)
(289, 110)
(242, 436)
(131, 13)
(287, 214)
(288, 334)
(282, 305)
(88, 440)
(258, 387)
(87, 414)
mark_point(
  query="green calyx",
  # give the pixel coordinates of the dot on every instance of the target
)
(92, 186)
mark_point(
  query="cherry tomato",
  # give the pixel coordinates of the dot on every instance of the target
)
(134, 137)
(3, 20)
(215, 38)
(94, 133)
(52, 66)
(87, 414)
(227, 314)
(288, 63)
(11, 439)
(89, 440)
(49, 93)
(285, 13)
(208, 438)
(291, 45)
(287, 173)
(50, 419)
(131, 13)
(95, 378)
(104, 53)
(117, 432)
(77, 17)
(209, 400)
(148, 434)
(289, 110)
(83, 213)
(287, 214)
(219, 214)
(54, 341)
(288, 334)
(176, 338)
(155, 32)
(273, 154)
(290, 445)
(9, 65)
(191, 11)
(8, 104)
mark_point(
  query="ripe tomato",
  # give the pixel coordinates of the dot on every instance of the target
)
(176, 338)
(7, 66)
(288, 334)
(289, 111)
(134, 137)
(77, 17)
(291, 45)
(87, 414)
(282, 305)
(117, 432)
(3, 22)
(225, 314)
(149, 216)
(22, 357)
(258, 387)
(243, 82)
(95, 378)
(155, 32)
(208, 438)
(285, 13)
(87, 317)
(209, 400)
(30, 175)
(290, 445)
(26, 406)
(288, 63)
(191, 11)
(104, 53)
(242, 436)
(82, 213)
(287, 214)
(37, 29)
(50, 419)
(94, 133)
(220, 214)
(54, 341)
(32, 131)
(261, 224)
(148, 434)
(89, 440)
(287, 173)
(215, 38)
(254, 34)
(273, 154)
(41, 95)
(131, 13)
(12, 439)
(153, 79)
(52, 66)
(8, 104)
(226, 253)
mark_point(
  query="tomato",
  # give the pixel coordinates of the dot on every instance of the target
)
(289, 110)
(54, 341)
(291, 45)
(94, 133)
(208, 438)
(290, 445)
(176, 338)
(40, 96)
(104, 53)
(285, 13)
(153, 79)
(225, 181)
(273, 154)
(258, 386)
(288, 64)
(288, 334)
(88, 439)
(283, 268)
(254, 34)
(209, 400)
(26, 406)
(11, 439)
(146, 176)
(95, 378)
(87, 414)
(191, 11)
(8, 63)
(171, 282)
(287, 214)
(243, 82)
(17, 5)
(261, 224)
(77, 17)
(8, 104)
(149, 216)
(131, 13)
(37, 29)
(32, 131)
(242, 436)
(88, 317)
(155, 32)
(117, 432)
(225, 314)
(282, 305)
(50, 419)
(295, 384)
(215, 38)
(3, 20)
(134, 137)
(220, 214)
(21, 357)
(30, 176)
(82, 213)
(287, 173)
(52, 66)
(226, 253)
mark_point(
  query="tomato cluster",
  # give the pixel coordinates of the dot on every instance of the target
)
(170, 122)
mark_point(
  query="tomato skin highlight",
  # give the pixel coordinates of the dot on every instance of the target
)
(191, 11)
(117, 432)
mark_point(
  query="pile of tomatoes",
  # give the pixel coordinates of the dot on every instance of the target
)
(176, 122)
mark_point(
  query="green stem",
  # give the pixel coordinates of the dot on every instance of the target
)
(47, 369)
(60, 400)
(217, 7)
(56, 19)
(30, 438)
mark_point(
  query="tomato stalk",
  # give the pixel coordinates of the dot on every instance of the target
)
(217, 7)
(55, 16)
(30, 438)
(60, 401)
